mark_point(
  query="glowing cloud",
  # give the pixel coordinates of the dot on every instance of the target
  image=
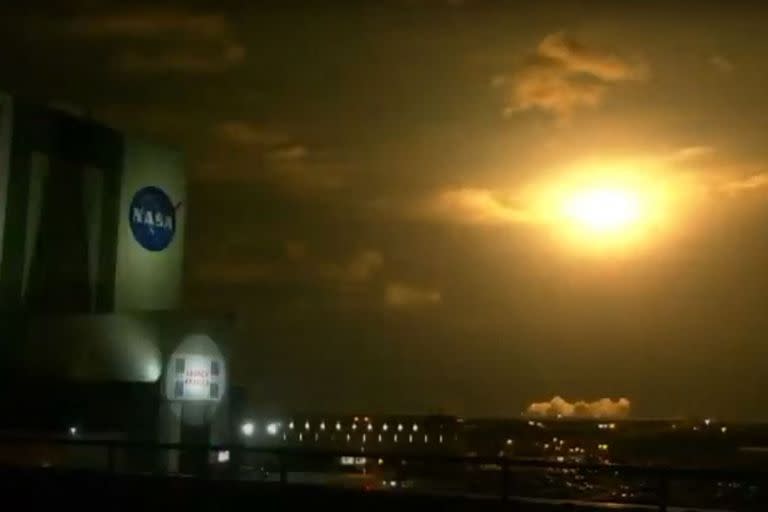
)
(559, 407)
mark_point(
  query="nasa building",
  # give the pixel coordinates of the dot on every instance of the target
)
(94, 338)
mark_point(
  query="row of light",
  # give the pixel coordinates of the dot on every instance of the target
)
(248, 429)
(606, 426)
(369, 427)
(364, 438)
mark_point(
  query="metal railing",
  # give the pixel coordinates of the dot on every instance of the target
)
(507, 468)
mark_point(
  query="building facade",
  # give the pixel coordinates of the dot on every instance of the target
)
(92, 228)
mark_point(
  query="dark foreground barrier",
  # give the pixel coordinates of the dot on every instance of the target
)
(97, 474)
(84, 490)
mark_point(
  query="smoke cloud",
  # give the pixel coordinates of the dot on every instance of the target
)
(559, 407)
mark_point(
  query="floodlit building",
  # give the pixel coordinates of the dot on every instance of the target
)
(92, 228)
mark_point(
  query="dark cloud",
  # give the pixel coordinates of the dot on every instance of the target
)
(577, 57)
(721, 63)
(287, 153)
(466, 205)
(296, 265)
(403, 295)
(565, 75)
(249, 134)
(158, 40)
(754, 182)
(185, 60)
(152, 23)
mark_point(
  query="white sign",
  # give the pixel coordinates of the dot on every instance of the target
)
(196, 373)
(196, 377)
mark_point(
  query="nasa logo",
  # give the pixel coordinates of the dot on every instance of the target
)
(152, 217)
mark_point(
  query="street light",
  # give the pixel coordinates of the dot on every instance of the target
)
(248, 428)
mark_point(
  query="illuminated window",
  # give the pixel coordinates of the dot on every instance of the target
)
(338, 426)
(385, 427)
(348, 437)
(322, 425)
(370, 427)
(395, 437)
(379, 437)
(364, 438)
(306, 425)
(415, 428)
(441, 439)
(410, 438)
(399, 427)
(426, 438)
(301, 436)
(354, 426)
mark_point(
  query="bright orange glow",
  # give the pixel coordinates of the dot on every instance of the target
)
(604, 210)
(607, 206)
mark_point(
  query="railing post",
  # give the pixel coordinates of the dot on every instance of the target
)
(505, 480)
(663, 492)
(283, 471)
(207, 465)
(111, 458)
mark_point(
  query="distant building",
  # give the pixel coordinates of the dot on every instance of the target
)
(92, 230)
(421, 434)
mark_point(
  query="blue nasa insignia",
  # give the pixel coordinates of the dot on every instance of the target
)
(152, 218)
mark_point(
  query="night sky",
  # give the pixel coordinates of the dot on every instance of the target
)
(364, 185)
